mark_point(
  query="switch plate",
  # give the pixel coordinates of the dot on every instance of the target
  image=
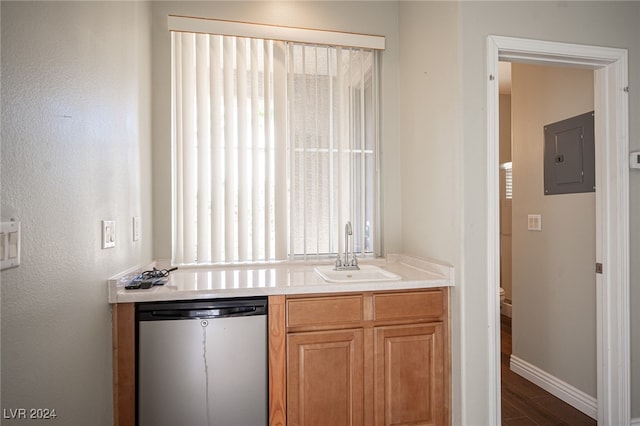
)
(11, 244)
(136, 228)
(108, 234)
(634, 160)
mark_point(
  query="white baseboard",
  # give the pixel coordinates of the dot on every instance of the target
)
(562, 390)
(635, 422)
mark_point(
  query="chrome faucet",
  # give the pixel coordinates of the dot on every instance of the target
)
(347, 231)
(346, 264)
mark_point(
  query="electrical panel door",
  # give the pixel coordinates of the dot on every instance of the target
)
(569, 156)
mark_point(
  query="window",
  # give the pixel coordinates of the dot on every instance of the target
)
(274, 148)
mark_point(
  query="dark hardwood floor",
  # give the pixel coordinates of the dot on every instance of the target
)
(524, 403)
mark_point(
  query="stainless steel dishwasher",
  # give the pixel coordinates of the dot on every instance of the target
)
(202, 363)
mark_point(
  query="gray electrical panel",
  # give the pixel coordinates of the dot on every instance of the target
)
(569, 156)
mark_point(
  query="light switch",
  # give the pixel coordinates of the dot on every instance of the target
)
(136, 228)
(9, 244)
(108, 234)
(12, 244)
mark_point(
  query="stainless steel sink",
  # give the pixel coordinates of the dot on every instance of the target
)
(366, 273)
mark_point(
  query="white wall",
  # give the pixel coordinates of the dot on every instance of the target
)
(596, 23)
(430, 129)
(554, 285)
(75, 150)
(375, 17)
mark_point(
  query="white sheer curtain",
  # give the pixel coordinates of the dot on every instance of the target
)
(273, 148)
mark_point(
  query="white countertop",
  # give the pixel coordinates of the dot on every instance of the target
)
(190, 283)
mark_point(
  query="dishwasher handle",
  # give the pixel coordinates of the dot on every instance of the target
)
(206, 313)
(222, 312)
(200, 309)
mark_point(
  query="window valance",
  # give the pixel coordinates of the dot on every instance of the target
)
(275, 32)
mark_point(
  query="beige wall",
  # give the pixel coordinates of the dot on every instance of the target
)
(505, 127)
(505, 204)
(75, 150)
(554, 294)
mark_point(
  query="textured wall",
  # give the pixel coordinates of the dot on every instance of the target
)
(75, 150)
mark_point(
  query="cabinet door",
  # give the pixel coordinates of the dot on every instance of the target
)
(409, 375)
(325, 378)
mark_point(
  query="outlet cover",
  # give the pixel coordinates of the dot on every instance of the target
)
(534, 222)
(108, 234)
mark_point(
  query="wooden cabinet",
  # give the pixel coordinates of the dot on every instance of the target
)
(368, 359)
(325, 378)
(124, 361)
(409, 375)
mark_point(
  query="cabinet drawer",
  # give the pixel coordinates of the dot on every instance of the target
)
(399, 306)
(324, 311)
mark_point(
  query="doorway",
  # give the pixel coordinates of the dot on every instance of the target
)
(612, 221)
(553, 232)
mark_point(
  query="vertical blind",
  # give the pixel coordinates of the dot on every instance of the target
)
(331, 139)
(273, 148)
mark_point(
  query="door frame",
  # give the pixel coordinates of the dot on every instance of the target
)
(610, 67)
